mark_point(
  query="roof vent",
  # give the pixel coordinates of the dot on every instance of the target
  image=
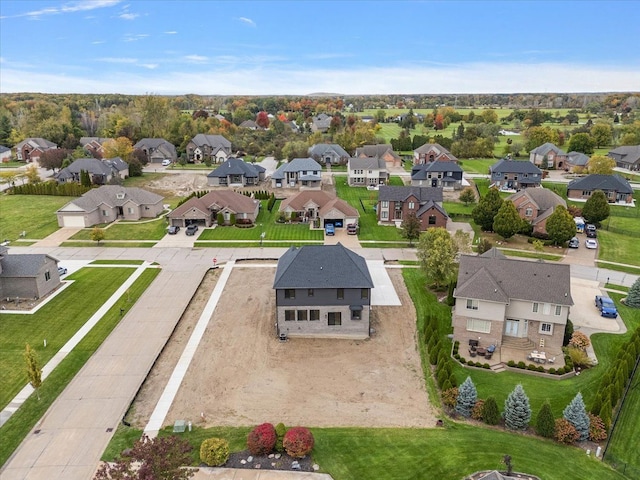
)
(120, 195)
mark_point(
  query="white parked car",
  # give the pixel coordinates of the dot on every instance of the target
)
(591, 243)
(166, 162)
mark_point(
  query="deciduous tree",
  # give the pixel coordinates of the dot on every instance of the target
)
(52, 159)
(596, 208)
(517, 411)
(601, 134)
(537, 136)
(507, 221)
(581, 142)
(467, 196)
(97, 234)
(601, 165)
(120, 147)
(34, 371)
(560, 225)
(410, 228)
(487, 208)
(262, 119)
(436, 252)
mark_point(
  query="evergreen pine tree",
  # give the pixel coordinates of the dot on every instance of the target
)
(490, 412)
(597, 404)
(633, 297)
(576, 414)
(467, 396)
(605, 412)
(545, 423)
(517, 411)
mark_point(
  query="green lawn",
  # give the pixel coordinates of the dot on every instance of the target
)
(54, 319)
(477, 165)
(33, 214)
(615, 247)
(266, 222)
(144, 230)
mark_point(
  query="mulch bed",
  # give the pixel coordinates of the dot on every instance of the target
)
(268, 462)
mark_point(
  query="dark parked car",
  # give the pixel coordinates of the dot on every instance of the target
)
(574, 242)
(192, 229)
(590, 230)
(173, 229)
(606, 306)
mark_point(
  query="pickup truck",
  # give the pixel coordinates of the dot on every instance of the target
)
(606, 306)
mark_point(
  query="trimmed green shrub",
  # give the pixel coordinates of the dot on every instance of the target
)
(262, 439)
(545, 423)
(521, 365)
(214, 451)
(280, 431)
(298, 442)
(220, 218)
(490, 412)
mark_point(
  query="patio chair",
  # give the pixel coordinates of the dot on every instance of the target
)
(551, 360)
(491, 348)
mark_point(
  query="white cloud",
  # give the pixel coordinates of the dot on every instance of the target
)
(196, 59)
(129, 16)
(279, 80)
(98, 42)
(71, 7)
(172, 32)
(118, 60)
(131, 37)
(247, 21)
(150, 66)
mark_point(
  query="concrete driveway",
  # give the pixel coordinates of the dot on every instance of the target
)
(584, 314)
(581, 255)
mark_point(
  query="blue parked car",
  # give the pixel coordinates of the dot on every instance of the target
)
(329, 229)
(606, 306)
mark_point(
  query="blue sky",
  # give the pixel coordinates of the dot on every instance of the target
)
(301, 47)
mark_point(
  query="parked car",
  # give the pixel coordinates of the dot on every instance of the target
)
(591, 243)
(173, 229)
(606, 306)
(62, 271)
(191, 229)
(352, 229)
(329, 229)
(590, 230)
(574, 242)
(166, 162)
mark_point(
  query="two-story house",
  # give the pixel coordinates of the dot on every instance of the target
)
(30, 149)
(432, 152)
(329, 154)
(447, 175)
(237, 172)
(627, 157)
(298, 173)
(516, 305)
(396, 203)
(617, 189)
(367, 172)
(535, 205)
(157, 150)
(509, 174)
(321, 123)
(381, 150)
(93, 145)
(323, 291)
(203, 147)
(548, 155)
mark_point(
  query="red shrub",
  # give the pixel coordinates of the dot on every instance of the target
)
(476, 411)
(298, 441)
(565, 432)
(262, 439)
(597, 430)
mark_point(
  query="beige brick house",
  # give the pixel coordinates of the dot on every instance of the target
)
(535, 205)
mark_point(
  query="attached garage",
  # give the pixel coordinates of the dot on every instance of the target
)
(73, 221)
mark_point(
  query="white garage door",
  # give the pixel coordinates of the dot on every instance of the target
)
(73, 221)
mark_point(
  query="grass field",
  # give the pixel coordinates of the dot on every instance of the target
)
(477, 165)
(54, 322)
(33, 214)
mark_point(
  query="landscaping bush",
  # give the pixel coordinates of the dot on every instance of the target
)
(521, 365)
(463, 360)
(214, 451)
(552, 371)
(471, 363)
(545, 424)
(271, 202)
(540, 368)
(568, 332)
(597, 430)
(579, 357)
(565, 432)
(298, 442)
(579, 340)
(476, 411)
(511, 363)
(220, 218)
(449, 397)
(531, 366)
(490, 412)
(486, 365)
(262, 439)
(280, 431)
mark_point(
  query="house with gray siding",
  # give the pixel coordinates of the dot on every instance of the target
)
(627, 157)
(329, 154)
(299, 172)
(617, 189)
(203, 147)
(367, 172)
(157, 150)
(447, 175)
(516, 305)
(510, 174)
(100, 172)
(236, 172)
(322, 291)
(28, 275)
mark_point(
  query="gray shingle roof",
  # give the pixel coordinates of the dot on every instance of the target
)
(23, 264)
(514, 166)
(213, 141)
(544, 198)
(400, 194)
(431, 204)
(601, 182)
(108, 195)
(499, 280)
(94, 166)
(155, 143)
(37, 142)
(237, 166)
(376, 150)
(545, 148)
(629, 154)
(578, 159)
(322, 266)
(439, 149)
(322, 148)
(4, 149)
(367, 163)
(298, 165)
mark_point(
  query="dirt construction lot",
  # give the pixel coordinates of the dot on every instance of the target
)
(243, 375)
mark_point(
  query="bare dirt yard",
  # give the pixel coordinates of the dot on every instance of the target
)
(243, 375)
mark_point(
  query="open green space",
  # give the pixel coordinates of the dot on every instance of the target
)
(477, 165)
(141, 230)
(57, 322)
(266, 222)
(14, 164)
(33, 214)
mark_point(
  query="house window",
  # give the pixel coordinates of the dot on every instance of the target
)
(546, 328)
(528, 212)
(130, 210)
(586, 193)
(476, 325)
(289, 315)
(314, 315)
(310, 292)
(384, 215)
(364, 293)
(289, 293)
(412, 205)
(334, 318)
(472, 304)
(356, 314)
(558, 311)
(105, 213)
(432, 219)
(535, 307)
(546, 309)
(384, 204)
(302, 315)
(47, 276)
(340, 293)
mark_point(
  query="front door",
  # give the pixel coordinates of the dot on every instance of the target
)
(511, 328)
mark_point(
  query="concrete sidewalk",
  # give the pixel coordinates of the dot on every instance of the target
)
(69, 440)
(248, 474)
